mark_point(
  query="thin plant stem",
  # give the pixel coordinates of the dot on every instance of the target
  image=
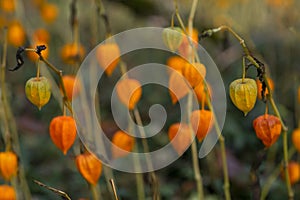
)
(95, 189)
(11, 137)
(63, 194)
(255, 63)
(155, 186)
(195, 159)
(271, 179)
(114, 188)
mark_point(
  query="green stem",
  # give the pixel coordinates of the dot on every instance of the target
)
(226, 186)
(271, 179)
(277, 113)
(11, 137)
(154, 181)
(195, 158)
(95, 189)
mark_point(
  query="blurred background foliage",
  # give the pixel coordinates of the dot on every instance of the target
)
(271, 28)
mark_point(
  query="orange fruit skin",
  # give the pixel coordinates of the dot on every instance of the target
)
(267, 128)
(63, 132)
(183, 138)
(89, 167)
(123, 141)
(8, 165)
(7, 193)
(16, 34)
(202, 121)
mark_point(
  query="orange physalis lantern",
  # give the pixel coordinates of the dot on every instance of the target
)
(38, 91)
(183, 138)
(7, 193)
(49, 12)
(200, 92)
(89, 167)
(267, 128)
(259, 87)
(63, 132)
(72, 53)
(129, 92)
(296, 139)
(194, 73)
(7, 5)
(108, 56)
(16, 34)
(202, 121)
(69, 81)
(178, 87)
(8, 165)
(177, 63)
(294, 172)
(123, 141)
(40, 37)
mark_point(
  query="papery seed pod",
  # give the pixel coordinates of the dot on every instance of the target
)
(8, 165)
(40, 37)
(177, 63)
(267, 128)
(69, 82)
(200, 92)
(89, 167)
(259, 87)
(172, 37)
(183, 139)
(72, 53)
(7, 6)
(178, 88)
(202, 121)
(38, 91)
(129, 92)
(123, 141)
(294, 172)
(185, 49)
(49, 12)
(243, 94)
(16, 34)
(63, 132)
(7, 193)
(194, 73)
(108, 56)
(296, 139)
